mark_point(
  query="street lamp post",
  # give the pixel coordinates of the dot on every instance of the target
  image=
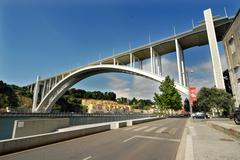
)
(188, 85)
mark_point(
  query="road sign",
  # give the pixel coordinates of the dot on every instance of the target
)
(192, 95)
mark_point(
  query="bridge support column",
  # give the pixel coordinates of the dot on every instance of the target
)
(159, 65)
(114, 61)
(131, 60)
(180, 64)
(56, 81)
(43, 90)
(31, 88)
(50, 84)
(35, 95)
(212, 40)
(141, 65)
(134, 61)
(153, 60)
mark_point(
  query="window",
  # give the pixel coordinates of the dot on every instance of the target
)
(232, 45)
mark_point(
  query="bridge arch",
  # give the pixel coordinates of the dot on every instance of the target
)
(62, 86)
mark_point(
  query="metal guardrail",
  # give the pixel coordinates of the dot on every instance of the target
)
(60, 115)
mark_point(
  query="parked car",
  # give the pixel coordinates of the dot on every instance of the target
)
(200, 115)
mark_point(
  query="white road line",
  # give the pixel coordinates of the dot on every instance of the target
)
(141, 128)
(126, 140)
(159, 138)
(129, 128)
(150, 129)
(152, 138)
(89, 157)
(173, 131)
(189, 149)
(161, 130)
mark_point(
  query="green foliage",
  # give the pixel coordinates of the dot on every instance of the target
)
(71, 100)
(186, 105)
(8, 97)
(79, 93)
(209, 98)
(143, 104)
(122, 100)
(169, 98)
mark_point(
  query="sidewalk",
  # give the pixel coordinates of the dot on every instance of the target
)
(206, 143)
(227, 126)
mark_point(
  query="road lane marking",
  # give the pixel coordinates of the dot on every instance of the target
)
(89, 157)
(128, 139)
(189, 148)
(159, 138)
(128, 128)
(192, 131)
(141, 128)
(161, 130)
(173, 131)
(150, 129)
(152, 138)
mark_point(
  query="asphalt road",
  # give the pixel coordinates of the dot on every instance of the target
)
(148, 141)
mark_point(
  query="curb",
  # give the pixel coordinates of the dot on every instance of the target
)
(182, 146)
(225, 129)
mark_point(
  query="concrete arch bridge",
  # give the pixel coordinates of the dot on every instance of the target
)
(208, 32)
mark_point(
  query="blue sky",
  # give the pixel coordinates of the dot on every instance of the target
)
(50, 36)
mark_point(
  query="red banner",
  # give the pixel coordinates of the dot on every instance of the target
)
(192, 95)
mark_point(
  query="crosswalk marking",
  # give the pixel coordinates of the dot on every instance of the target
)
(129, 128)
(161, 130)
(141, 128)
(150, 129)
(173, 131)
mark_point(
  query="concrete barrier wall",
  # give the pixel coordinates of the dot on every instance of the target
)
(138, 121)
(18, 144)
(23, 143)
(30, 127)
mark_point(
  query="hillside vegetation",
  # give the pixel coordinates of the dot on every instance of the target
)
(20, 99)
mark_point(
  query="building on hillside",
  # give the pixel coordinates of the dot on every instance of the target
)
(231, 42)
(105, 106)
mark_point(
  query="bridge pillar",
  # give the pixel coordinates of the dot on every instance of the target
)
(50, 84)
(43, 90)
(153, 60)
(114, 61)
(212, 40)
(131, 60)
(31, 88)
(141, 65)
(35, 95)
(56, 80)
(159, 65)
(180, 64)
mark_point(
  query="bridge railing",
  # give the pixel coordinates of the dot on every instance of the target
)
(7, 119)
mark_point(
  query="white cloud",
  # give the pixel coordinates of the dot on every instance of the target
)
(119, 86)
(141, 87)
(223, 62)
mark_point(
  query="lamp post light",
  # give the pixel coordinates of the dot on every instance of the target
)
(188, 85)
(187, 77)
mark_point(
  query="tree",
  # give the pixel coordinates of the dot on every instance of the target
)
(186, 105)
(210, 98)
(122, 100)
(169, 98)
